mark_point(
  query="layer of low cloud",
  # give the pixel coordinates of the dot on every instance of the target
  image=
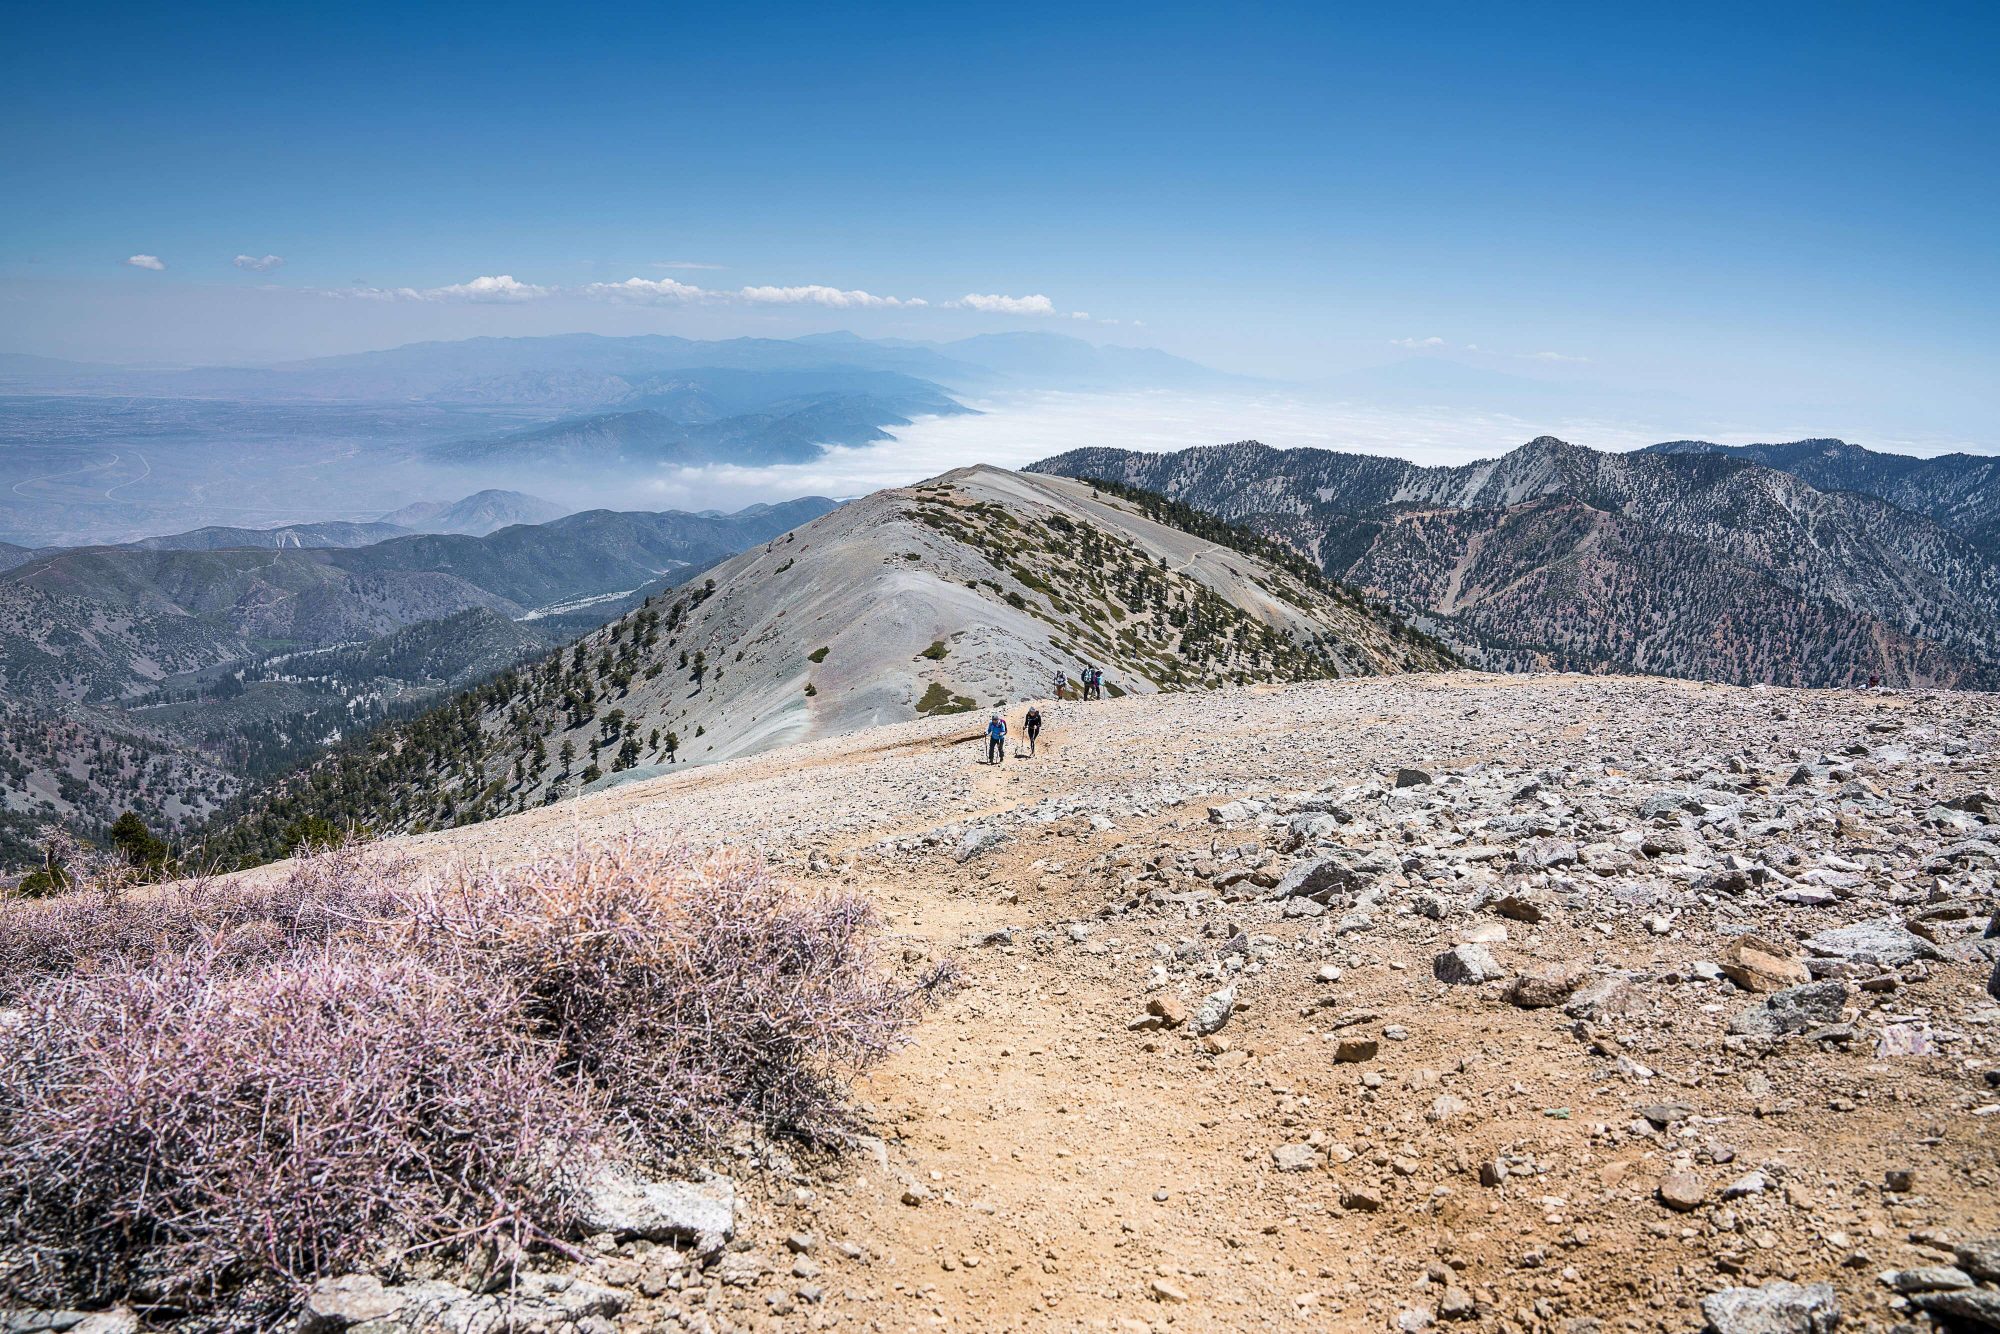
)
(258, 263)
(1436, 344)
(153, 262)
(1020, 429)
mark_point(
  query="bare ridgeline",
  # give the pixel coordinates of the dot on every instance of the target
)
(1517, 1004)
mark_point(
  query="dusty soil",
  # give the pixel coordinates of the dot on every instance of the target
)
(1042, 1164)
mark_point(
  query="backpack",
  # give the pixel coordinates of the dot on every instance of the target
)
(996, 727)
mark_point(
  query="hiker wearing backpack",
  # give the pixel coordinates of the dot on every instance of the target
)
(1032, 724)
(996, 739)
(1062, 680)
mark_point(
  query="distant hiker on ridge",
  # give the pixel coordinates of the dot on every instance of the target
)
(1032, 724)
(1062, 680)
(996, 739)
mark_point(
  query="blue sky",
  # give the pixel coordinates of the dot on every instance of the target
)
(1790, 201)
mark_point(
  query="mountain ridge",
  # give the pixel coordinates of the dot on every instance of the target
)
(1852, 585)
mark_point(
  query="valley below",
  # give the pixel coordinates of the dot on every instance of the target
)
(1506, 1003)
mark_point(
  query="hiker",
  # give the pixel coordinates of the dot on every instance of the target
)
(1033, 724)
(1093, 683)
(996, 739)
(1061, 681)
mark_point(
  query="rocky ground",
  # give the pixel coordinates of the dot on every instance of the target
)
(1517, 1004)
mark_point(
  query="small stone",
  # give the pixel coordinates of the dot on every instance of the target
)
(1327, 973)
(1214, 1011)
(1171, 1011)
(1457, 1304)
(1927, 1278)
(1412, 778)
(1360, 1200)
(1900, 1179)
(916, 1194)
(1760, 970)
(1750, 1184)
(1163, 1291)
(1296, 1157)
(1544, 987)
(1466, 965)
(1351, 1051)
(1492, 1172)
(1682, 1191)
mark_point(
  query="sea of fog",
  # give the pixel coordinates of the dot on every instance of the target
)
(1013, 431)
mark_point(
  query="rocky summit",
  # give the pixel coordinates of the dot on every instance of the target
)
(1510, 1003)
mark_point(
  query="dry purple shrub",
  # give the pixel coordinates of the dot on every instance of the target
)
(340, 890)
(697, 991)
(174, 1128)
(231, 1091)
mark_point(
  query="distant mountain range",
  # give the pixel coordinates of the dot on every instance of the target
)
(214, 664)
(1684, 560)
(973, 590)
(476, 515)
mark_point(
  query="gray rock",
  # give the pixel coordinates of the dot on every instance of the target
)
(1793, 1010)
(31, 1321)
(1612, 994)
(335, 1303)
(1214, 1011)
(1413, 778)
(1466, 965)
(115, 1321)
(1774, 1308)
(1927, 1278)
(611, 1199)
(1295, 1157)
(1882, 944)
(1980, 1258)
(1320, 881)
(978, 841)
(1970, 1308)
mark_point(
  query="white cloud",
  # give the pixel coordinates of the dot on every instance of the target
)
(995, 304)
(153, 262)
(1416, 342)
(1554, 356)
(653, 291)
(496, 288)
(258, 263)
(816, 295)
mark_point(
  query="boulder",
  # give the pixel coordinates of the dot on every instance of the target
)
(1412, 778)
(1682, 1192)
(1793, 1010)
(1467, 965)
(1774, 1308)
